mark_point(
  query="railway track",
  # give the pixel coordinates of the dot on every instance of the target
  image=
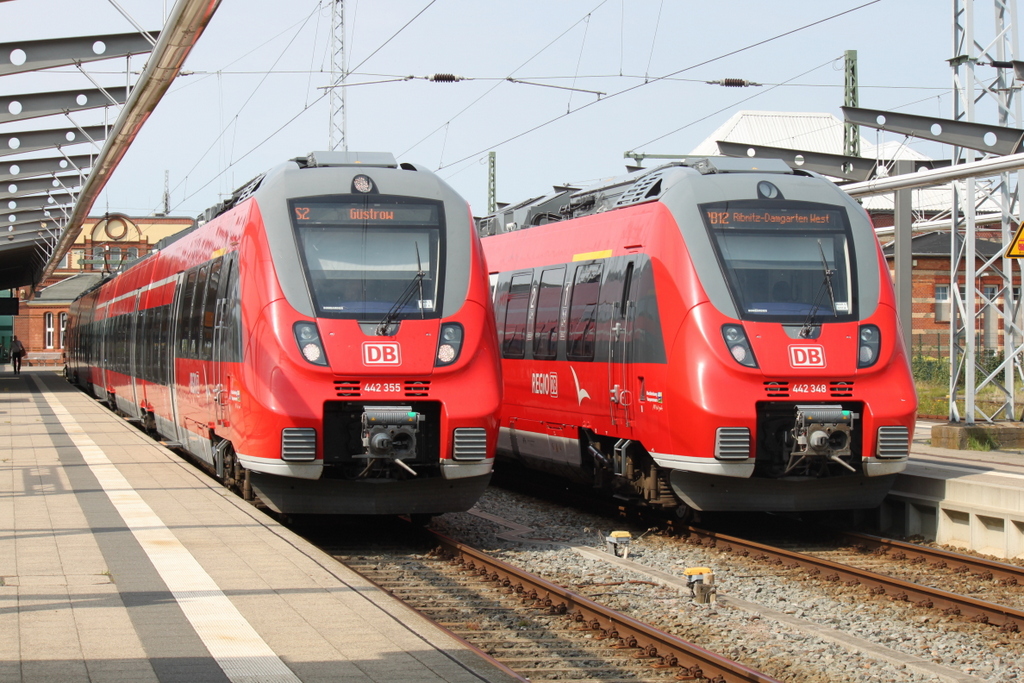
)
(1007, 619)
(534, 627)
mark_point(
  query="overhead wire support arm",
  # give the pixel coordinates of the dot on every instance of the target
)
(557, 87)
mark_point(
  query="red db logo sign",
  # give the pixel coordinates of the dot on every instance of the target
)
(807, 356)
(382, 353)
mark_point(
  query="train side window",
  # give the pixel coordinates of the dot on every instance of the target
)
(626, 282)
(230, 312)
(185, 314)
(582, 338)
(210, 310)
(195, 342)
(545, 326)
(163, 316)
(514, 343)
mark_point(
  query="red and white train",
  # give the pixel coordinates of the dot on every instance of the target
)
(717, 334)
(326, 341)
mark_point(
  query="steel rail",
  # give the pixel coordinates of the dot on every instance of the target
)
(1007, 619)
(663, 649)
(1007, 574)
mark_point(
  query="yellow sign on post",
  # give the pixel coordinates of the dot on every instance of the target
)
(1016, 246)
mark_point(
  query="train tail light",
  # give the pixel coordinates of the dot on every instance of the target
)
(869, 341)
(739, 347)
(449, 345)
(308, 338)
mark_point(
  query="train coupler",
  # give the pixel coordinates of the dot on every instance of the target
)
(390, 432)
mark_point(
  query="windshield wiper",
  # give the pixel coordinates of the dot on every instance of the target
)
(826, 286)
(417, 282)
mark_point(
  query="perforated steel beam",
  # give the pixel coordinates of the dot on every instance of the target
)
(833, 165)
(29, 168)
(34, 105)
(35, 186)
(33, 55)
(23, 142)
(17, 218)
(978, 136)
(43, 201)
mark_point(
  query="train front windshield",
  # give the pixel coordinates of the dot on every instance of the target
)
(366, 255)
(784, 261)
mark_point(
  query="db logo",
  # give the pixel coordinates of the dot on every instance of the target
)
(382, 353)
(807, 356)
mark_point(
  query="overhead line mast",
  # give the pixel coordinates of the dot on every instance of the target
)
(337, 124)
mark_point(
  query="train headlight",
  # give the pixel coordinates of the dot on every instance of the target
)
(308, 339)
(869, 342)
(449, 345)
(739, 347)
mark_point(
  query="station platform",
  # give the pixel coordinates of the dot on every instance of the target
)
(970, 499)
(121, 562)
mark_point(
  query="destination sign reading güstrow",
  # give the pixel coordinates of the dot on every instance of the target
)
(761, 217)
(319, 213)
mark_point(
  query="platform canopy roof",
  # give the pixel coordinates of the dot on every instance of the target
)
(57, 149)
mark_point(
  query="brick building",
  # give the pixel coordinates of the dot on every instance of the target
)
(105, 244)
(932, 296)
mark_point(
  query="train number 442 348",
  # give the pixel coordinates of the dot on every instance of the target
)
(809, 388)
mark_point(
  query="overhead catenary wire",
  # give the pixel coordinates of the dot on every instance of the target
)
(630, 89)
(491, 89)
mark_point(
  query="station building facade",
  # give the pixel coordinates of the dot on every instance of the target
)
(105, 245)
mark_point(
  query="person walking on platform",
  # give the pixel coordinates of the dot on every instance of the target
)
(17, 353)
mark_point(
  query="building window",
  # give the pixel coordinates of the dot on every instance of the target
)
(942, 303)
(63, 327)
(48, 318)
(76, 259)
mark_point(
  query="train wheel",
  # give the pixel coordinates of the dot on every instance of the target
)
(685, 513)
(420, 518)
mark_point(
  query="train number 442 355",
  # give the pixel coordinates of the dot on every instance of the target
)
(382, 387)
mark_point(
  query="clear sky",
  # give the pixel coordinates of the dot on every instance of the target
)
(253, 93)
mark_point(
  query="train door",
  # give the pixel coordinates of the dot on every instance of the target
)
(620, 347)
(191, 374)
(134, 356)
(226, 346)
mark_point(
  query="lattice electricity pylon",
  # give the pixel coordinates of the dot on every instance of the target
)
(974, 88)
(337, 124)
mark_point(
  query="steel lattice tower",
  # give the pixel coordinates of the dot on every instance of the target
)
(975, 97)
(338, 124)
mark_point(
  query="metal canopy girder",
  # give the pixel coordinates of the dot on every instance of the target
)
(28, 168)
(186, 23)
(938, 176)
(43, 201)
(834, 165)
(978, 136)
(41, 235)
(47, 54)
(33, 216)
(35, 105)
(37, 185)
(33, 140)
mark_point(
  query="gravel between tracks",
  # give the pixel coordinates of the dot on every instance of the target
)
(803, 630)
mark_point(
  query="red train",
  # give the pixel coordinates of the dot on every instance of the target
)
(313, 342)
(717, 334)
